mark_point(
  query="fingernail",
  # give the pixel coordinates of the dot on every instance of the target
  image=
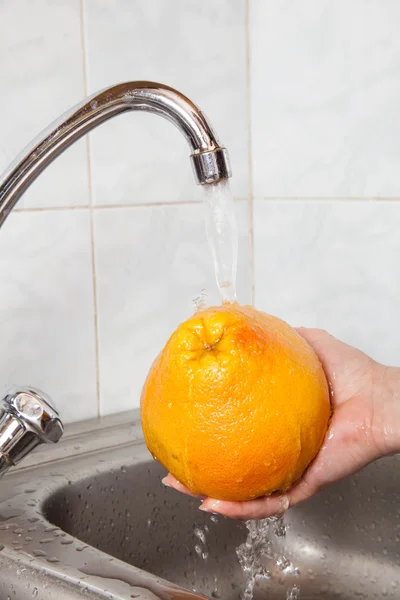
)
(165, 482)
(209, 509)
(284, 504)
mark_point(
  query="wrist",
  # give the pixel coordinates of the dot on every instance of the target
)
(386, 402)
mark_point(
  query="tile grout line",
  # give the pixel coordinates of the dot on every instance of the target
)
(119, 206)
(250, 153)
(91, 213)
(197, 202)
(343, 199)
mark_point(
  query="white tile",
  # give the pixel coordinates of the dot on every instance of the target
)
(46, 308)
(325, 97)
(151, 263)
(332, 265)
(41, 73)
(198, 48)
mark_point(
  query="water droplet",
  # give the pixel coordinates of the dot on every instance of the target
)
(201, 301)
(293, 593)
(214, 518)
(19, 530)
(200, 534)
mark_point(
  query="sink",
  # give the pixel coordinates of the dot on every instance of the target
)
(96, 521)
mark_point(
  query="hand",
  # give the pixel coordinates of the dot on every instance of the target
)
(365, 426)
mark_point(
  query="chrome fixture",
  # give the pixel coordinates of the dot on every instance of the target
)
(27, 418)
(209, 159)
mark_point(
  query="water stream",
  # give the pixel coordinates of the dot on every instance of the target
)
(222, 236)
(262, 552)
(262, 556)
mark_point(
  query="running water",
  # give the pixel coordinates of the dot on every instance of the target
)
(262, 557)
(222, 236)
(263, 551)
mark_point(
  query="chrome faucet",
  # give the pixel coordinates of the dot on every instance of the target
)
(28, 417)
(209, 159)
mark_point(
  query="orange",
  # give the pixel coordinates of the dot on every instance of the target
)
(236, 405)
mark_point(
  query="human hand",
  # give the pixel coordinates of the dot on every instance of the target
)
(365, 426)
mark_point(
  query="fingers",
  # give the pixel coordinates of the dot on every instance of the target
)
(254, 509)
(318, 338)
(302, 491)
(171, 482)
(261, 508)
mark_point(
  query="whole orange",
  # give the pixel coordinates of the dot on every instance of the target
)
(236, 405)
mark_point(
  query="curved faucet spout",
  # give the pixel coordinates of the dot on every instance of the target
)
(209, 159)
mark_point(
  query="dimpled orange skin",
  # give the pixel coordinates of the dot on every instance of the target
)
(236, 405)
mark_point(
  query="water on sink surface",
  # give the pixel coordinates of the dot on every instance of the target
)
(131, 516)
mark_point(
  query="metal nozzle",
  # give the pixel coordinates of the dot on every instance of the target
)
(211, 166)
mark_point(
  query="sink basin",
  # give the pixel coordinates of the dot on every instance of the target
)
(91, 517)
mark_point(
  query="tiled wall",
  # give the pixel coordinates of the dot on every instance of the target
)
(107, 249)
(325, 106)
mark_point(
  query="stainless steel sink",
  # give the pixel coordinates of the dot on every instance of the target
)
(95, 521)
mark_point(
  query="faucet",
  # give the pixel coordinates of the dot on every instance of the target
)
(209, 159)
(28, 417)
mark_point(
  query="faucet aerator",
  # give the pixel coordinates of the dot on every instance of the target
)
(211, 166)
